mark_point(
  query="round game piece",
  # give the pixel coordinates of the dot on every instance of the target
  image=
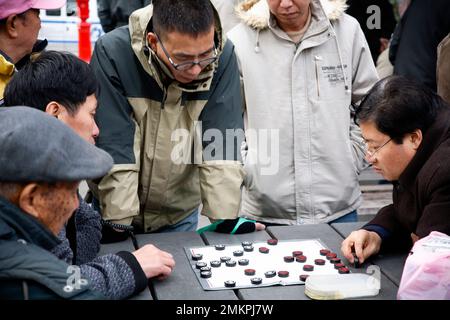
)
(225, 259)
(319, 262)
(270, 274)
(297, 253)
(256, 280)
(308, 267)
(230, 263)
(331, 255)
(215, 263)
(303, 277)
(246, 243)
(339, 265)
(288, 259)
(356, 263)
(264, 250)
(272, 242)
(343, 270)
(205, 268)
(200, 264)
(283, 274)
(243, 262)
(301, 258)
(230, 283)
(324, 252)
(248, 248)
(197, 257)
(238, 253)
(335, 260)
(249, 272)
(205, 274)
(220, 247)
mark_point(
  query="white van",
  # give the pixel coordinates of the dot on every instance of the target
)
(60, 27)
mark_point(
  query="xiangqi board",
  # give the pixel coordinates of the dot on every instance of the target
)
(249, 265)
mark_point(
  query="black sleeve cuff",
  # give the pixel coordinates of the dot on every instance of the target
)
(140, 279)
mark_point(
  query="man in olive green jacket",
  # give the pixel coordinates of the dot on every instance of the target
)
(170, 116)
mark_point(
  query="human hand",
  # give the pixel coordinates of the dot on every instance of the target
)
(154, 262)
(234, 226)
(364, 243)
(384, 44)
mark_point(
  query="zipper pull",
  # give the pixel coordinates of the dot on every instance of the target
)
(164, 99)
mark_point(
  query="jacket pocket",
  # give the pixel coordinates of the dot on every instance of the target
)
(329, 76)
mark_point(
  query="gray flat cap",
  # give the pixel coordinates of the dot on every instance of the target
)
(36, 147)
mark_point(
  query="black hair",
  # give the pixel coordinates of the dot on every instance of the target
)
(192, 17)
(52, 76)
(398, 106)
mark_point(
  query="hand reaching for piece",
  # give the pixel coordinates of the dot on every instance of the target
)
(154, 262)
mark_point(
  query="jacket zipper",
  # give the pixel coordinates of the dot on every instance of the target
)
(163, 101)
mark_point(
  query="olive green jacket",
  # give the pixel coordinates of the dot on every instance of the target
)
(153, 128)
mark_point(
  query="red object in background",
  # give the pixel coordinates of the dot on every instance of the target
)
(84, 31)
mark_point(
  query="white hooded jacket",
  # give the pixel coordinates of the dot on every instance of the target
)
(304, 151)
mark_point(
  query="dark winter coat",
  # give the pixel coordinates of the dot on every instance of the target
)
(421, 196)
(27, 269)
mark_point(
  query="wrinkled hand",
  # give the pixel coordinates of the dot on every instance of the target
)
(154, 262)
(364, 243)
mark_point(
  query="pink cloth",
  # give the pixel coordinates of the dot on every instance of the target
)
(426, 274)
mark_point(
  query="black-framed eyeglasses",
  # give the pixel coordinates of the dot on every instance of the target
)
(371, 153)
(188, 65)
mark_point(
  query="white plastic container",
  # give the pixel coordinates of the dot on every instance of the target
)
(342, 286)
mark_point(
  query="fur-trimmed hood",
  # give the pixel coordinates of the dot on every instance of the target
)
(256, 13)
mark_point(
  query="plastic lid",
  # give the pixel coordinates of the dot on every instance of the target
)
(342, 286)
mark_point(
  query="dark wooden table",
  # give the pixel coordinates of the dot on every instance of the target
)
(183, 284)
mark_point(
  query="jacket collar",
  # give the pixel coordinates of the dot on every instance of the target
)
(16, 224)
(256, 13)
(140, 25)
(6, 65)
(436, 134)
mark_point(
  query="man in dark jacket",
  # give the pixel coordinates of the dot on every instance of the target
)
(377, 29)
(413, 49)
(36, 199)
(65, 87)
(115, 13)
(407, 130)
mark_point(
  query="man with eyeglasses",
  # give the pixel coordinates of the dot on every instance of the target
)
(406, 127)
(170, 115)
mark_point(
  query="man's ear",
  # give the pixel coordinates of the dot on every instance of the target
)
(54, 109)
(152, 40)
(27, 199)
(11, 26)
(416, 138)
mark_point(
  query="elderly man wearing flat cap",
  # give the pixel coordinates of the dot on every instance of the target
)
(39, 178)
(65, 87)
(19, 29)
